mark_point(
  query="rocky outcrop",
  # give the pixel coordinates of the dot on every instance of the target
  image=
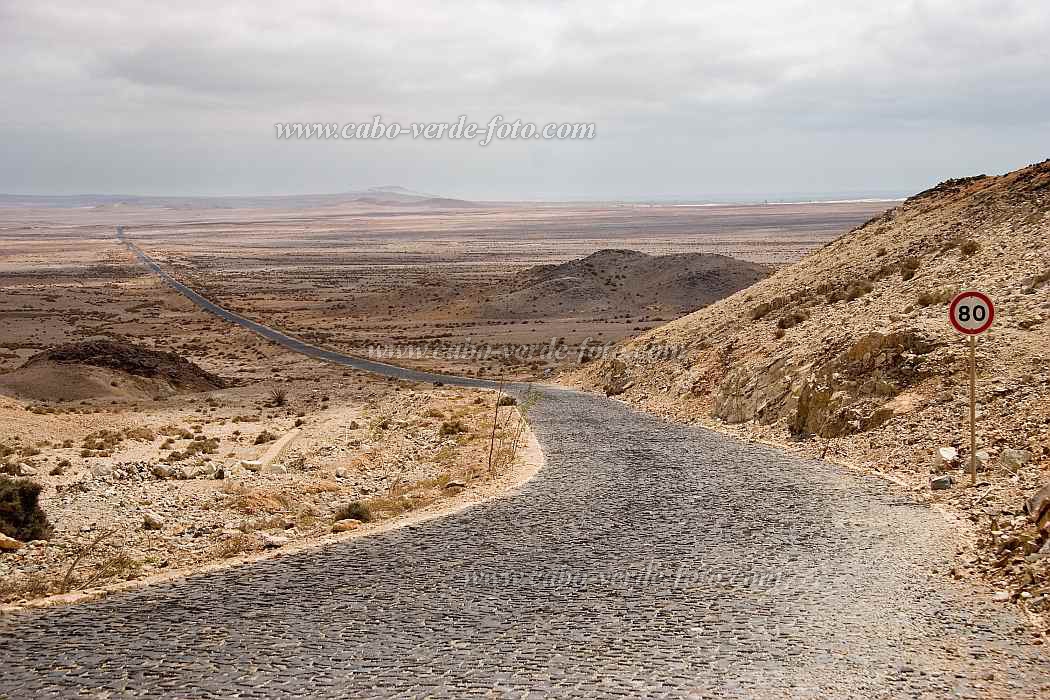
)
(847, 394)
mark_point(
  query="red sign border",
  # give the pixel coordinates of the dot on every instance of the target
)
(964, 295)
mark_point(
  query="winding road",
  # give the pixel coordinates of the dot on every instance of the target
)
(646, 559)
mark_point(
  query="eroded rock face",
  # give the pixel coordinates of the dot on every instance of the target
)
(846, 394)
(765, 395)
(617, 379)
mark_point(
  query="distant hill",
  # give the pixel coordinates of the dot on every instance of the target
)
(830, 344)
(379, 196)
(621, 282)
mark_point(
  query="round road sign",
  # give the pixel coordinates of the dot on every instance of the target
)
(971, 313)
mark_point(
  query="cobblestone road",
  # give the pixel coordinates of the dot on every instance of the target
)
(645, 559)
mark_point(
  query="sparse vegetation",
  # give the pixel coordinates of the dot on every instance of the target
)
(936, 296)
(20, 514)
(264, 437)
(355, 510)
(792, 319)
(854, 290)
(453, 427)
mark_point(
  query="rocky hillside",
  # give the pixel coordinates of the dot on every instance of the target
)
(850, 351)
(622, 282)
(104, 369)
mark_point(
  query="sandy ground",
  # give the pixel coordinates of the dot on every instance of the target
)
(528, 463)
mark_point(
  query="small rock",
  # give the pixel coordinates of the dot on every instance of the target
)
(274, 541)
(940, 483)
(945, 458)
(1014, 459)
(152, 521)
(9, 544)
(346, 525)
(455, 485)
(340, 473)
(101, 470)
(26, 470)
(252, 465)
(275, 469)
(1001, 596)
(161, 471)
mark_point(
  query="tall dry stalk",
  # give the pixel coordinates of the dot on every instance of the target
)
(495, 420)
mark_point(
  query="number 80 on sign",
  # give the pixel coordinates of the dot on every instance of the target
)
(971, 313)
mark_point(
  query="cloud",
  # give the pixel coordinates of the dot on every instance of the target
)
(713, 81)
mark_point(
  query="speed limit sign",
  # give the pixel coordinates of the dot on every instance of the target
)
(971, 313)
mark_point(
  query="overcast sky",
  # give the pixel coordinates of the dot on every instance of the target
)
(698, 100)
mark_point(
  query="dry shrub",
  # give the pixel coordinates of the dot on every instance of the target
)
(18, 586)
(20, 514)
(323, 486)
(141, 433)
(264, 437)
(236, 545)
(452, 427)
(854, 291)
(355, 510)
(256, 501)
(936, 296)
(792, 319)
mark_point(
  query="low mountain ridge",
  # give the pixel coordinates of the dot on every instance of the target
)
(622, 282)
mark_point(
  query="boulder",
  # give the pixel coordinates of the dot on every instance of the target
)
(346, 525)
(161, 471)
(940, 483)
(1014, 459)
(274, 541)
(152, 521)
(9, 544)
(101, 470)
(946, 457)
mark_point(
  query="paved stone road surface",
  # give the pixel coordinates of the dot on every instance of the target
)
(646, 559)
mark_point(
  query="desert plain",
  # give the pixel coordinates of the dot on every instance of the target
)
(146, 474)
